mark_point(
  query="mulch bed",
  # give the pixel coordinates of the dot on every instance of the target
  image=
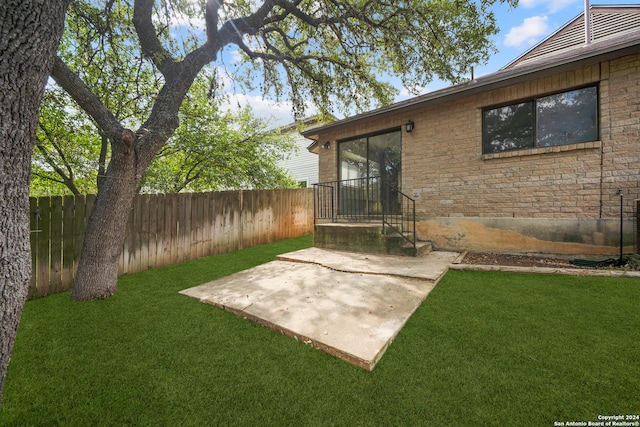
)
(526, 261)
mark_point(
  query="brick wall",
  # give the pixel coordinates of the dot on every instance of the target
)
(445, 171)
(444, 168)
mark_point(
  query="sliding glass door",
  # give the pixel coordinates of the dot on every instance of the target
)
(370, 171)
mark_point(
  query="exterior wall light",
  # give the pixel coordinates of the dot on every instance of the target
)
(327, 145)
(409, 126)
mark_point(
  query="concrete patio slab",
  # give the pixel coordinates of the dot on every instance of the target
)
(427, 267)
(347, 304)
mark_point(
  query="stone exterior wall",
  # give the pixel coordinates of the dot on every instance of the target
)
(572, 188)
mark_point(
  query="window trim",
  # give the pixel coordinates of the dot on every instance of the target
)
(543, 150)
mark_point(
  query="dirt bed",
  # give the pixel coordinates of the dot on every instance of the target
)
(518, 260)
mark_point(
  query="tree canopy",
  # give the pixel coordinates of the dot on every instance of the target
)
(337, 54)
(211, 150)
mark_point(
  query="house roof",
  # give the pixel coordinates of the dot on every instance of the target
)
(611, 21)
(309, 123)
(617, 34)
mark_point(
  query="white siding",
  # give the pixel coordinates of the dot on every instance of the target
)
(302, 165)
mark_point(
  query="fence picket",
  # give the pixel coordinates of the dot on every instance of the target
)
(152, 206)
(43, 268)
(143, 232)
(173, 228)
(68, 240)
(160, 224)
(184, 226)
(35, 233)
(55, 245)
(196, 225)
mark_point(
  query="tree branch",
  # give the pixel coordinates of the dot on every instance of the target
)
(211, 17)
(86, 99)
(67, 180)
(102, 160)
(149, 42)
(233, 30)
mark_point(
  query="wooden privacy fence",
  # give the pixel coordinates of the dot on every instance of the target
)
(164, 229)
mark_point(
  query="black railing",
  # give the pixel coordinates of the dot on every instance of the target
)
(636, 228)
(400, 214)
(366, 200)
(324, 202)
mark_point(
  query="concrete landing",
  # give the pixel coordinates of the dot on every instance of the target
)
(351, 305)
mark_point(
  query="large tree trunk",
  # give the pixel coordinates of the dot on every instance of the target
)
(131, 153)
(97, 275)
(30, 31)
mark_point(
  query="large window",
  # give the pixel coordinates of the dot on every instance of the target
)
(560, 119)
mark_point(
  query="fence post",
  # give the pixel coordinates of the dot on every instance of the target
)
(44, 238)
(68, 240)
(34, 216)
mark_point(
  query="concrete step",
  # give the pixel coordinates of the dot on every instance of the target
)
(422, 249)
(367, 238)
(401, 245)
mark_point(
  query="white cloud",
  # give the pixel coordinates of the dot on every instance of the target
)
(276, 113)
(528, 33)
(180, 20)
(530, 4)
(235, 56)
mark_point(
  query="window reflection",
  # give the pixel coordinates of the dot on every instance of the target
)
(508, 128)
(353, 159)
(567, 118)
(559, 119)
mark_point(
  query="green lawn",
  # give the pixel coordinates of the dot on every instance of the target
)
(483, 349)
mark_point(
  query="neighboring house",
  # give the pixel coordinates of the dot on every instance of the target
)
(526, 159)
(302, 164)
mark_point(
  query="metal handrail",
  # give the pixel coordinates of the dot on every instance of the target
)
(398, 221)
(323, 203)
(366, 199)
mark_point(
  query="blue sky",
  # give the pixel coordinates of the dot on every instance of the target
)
(520, 29)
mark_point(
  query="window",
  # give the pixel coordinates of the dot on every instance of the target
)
(560, 119)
